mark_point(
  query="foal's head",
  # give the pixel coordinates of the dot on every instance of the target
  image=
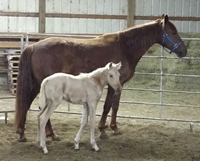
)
(113, 76)
(171, 38)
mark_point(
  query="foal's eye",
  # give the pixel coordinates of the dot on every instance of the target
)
(111, 76)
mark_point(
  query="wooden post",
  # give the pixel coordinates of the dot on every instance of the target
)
(130, 13)
(42, 11)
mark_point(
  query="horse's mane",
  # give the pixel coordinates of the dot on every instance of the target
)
(139, 36)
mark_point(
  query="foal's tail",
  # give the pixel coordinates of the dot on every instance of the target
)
(42, 105)
(42, 98)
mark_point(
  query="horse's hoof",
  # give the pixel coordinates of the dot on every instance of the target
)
(103, 127)
(116, 132)
(22, 139)
(103, 136)
(55, 138)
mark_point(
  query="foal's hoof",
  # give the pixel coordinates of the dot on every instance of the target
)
(22, 139)
(103, 136)
(95, 148)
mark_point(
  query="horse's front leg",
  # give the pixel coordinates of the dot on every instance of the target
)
(115, 107)
(106, 109)
(84, 121)
(50, 133)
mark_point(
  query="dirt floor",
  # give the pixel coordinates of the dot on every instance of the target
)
(140, 140)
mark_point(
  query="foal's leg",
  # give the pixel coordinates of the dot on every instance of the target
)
(38, 117)
(84, 121)
(43, 120)
(107, 106)
(49, 131)
(92, 108)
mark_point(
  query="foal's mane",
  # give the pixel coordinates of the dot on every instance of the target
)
(96, 74)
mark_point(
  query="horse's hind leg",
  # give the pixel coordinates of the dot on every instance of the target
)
(21, 127)
(84, 121)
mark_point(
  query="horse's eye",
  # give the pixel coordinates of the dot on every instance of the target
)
(111, 76)
(174, 33)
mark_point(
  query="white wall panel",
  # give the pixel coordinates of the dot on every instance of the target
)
(89, 26)
(3, 5)
(4, 24)
(19, 24)
(185, 8)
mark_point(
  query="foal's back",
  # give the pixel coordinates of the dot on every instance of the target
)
(74, 89)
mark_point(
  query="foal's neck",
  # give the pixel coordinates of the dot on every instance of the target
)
(99, 76)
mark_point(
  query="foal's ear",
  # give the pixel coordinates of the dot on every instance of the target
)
(110, 65)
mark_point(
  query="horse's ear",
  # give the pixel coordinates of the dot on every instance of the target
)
(110, 65)
(166, 19)
(163, 16)
(119, 65)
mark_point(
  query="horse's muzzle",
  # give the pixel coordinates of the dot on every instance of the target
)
(182, 54)
(118, 90)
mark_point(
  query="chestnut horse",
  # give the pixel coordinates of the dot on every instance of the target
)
(74, 56)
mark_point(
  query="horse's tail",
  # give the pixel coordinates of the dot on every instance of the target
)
(24, 88)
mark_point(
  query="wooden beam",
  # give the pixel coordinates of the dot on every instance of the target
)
(42, 11)
(92, 16)
(177, 18)
(63, 15)
(19, 14)
(130, 13)
(10, 44)
(95, 16)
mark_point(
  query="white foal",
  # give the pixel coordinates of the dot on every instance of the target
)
(85, 89)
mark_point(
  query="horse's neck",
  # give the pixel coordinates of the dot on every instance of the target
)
(137, 40)
(99, 76)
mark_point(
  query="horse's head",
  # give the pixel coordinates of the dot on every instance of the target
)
(171, 38)
(113, 76)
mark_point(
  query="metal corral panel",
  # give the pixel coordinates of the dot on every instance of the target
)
(85, 25)
(185, 8)
(19, 24)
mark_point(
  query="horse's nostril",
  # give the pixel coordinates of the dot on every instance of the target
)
(118, 90)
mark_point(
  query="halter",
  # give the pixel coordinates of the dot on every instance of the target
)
(175, 45)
